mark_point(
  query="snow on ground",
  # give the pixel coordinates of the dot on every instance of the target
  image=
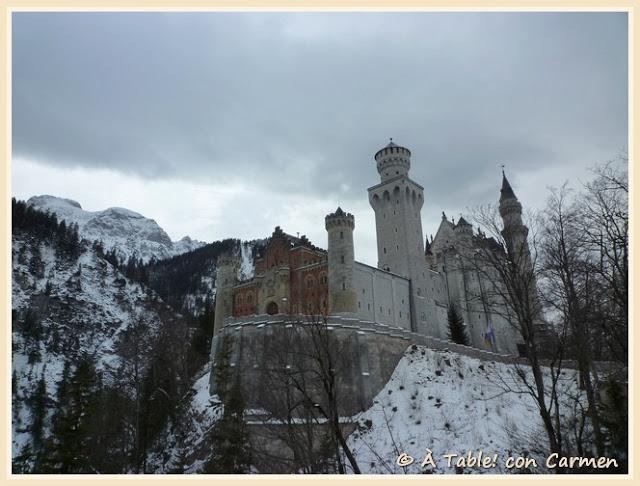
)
(202, 412)
(84, 297)
(450, 403)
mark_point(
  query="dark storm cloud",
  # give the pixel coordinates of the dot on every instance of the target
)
(301, 102)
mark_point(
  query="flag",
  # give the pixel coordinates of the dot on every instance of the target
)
(490, 337)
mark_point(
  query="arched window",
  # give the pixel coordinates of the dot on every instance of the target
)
(272, 308)
(239, 299)
(250, 298)
(310, 282)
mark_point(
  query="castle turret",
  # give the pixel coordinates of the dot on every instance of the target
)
(514, 231)
(393, 161)
(226, 279)
(342, 296)
(463, 232)
(397, 202)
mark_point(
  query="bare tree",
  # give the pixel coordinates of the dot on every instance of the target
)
(570, 283)
(509, 264)
(304, 387)
(604, 213)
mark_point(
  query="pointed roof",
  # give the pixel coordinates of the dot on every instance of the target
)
(506, 192)
(463, 222)
(427, 247)
(339, 212)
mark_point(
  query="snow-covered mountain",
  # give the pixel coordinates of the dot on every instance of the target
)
(69, 301)
(130, 233)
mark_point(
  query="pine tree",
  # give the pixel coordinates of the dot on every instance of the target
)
(457, 331)
(31, 331)
(222, 367)
(68, 449)
(230, 437)
(39, 402)
(36, 266)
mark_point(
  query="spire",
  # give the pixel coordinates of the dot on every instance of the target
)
(427, 247)
(506, 192)
(463, 222)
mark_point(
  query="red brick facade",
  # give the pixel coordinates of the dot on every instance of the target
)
(307, 291)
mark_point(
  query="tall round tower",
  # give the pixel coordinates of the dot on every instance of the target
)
(226, 278)
(393, 161)
(342, 296)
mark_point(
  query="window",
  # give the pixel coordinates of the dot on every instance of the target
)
(344, 286)
(309, 282)
(250, 298)
(359, 304)
(384, 251)
(341, 258)
(368, 306)
(341, 235)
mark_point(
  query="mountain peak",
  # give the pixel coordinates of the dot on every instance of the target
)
(46, 199)
(130, 233)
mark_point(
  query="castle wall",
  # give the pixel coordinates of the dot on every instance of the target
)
(371, 353)
(382, 296)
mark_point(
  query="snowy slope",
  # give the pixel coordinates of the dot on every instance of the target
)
(130, 233)
(450, 403)
(190, 447)
(83, 304)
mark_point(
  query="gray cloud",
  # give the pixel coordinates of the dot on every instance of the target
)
(300, 102)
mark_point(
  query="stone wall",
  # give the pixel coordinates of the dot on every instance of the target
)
(382, 296)
(373, 351)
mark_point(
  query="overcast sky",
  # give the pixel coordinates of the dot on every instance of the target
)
(224, 125)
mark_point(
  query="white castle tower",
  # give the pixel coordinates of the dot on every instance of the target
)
(342, 296)
(397, 202)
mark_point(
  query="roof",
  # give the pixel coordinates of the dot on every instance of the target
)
(506, 192)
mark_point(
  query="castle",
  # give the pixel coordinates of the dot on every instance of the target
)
(411, 289)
